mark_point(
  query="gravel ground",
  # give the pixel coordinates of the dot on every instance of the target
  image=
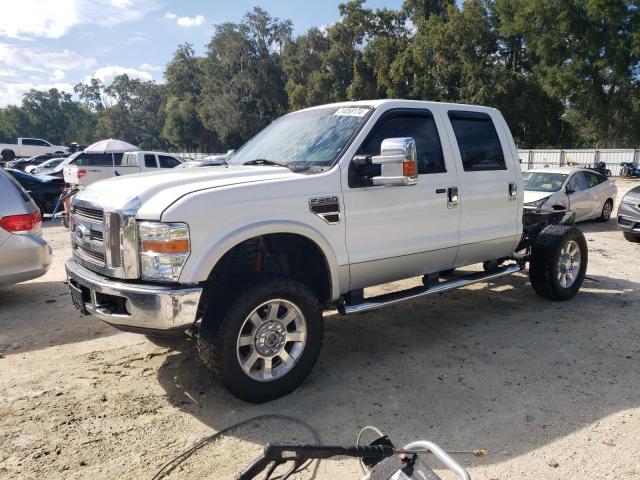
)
(551, 390)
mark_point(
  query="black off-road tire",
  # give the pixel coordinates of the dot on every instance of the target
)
(545, 254)
(605, 214)
(220, 328)
(8, 155)
(631, 237)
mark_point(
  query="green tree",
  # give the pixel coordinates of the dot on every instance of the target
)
(243, 81)
(586, 54)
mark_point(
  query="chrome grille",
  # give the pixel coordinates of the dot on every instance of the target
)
(92, 214)
(95, 256)
(96, 236)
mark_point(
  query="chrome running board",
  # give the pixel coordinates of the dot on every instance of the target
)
(374, 303)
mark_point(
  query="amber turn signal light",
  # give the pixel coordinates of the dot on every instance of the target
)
(170, 247)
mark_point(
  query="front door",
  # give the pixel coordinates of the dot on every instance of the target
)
(581, 198)
(395, 232)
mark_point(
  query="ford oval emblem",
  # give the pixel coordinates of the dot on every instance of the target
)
(81, 231)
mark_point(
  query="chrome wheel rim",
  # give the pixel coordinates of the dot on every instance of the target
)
(271, 340)
(606, 210)
(569, 264)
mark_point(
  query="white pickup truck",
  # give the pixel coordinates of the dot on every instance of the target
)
(29, 147)
(319, 205)
(88, 168)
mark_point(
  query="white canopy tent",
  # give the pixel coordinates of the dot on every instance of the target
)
(112, 146)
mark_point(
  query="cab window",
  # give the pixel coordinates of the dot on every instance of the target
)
(167, 161)
(421, 126)
(150, 161)
(130, 160)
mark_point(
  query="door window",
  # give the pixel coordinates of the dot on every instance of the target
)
(167, 161)
(99, 159)
(150, 161)
(419, 125)
(578, 182)
(594, 179)
(35, 142)
(478, 141)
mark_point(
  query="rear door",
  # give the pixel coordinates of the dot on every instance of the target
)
(490, 179)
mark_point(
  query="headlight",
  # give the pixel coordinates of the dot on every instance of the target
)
(537, 204)
(631, 201)
(164, 248)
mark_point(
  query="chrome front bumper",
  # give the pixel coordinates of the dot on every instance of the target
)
(133, 306)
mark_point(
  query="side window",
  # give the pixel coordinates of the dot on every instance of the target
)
(167, 162)
(150, 161)
(578, 182)
(29, 141)
(594, 179)
(478, 141)
(420, 126)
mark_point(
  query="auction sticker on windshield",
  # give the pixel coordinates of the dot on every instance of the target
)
(351, 112)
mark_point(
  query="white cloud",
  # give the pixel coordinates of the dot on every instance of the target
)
(138, 37)
(11, 93)
(149, 68)
(191, 21)
(14, 58)
(53, 19)
(107, 74)
(185, 21)
(57, 75)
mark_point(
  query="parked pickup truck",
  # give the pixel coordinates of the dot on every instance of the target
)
(321, 204)
(88, 168)
(29, 147)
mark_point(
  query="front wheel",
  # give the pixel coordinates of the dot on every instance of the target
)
(266, 342)
(558, 263)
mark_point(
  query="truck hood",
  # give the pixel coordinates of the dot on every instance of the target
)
(149, 194)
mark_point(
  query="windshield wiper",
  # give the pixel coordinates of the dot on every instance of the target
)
(264, 161)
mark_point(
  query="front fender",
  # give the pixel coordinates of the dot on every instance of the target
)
(205, 262)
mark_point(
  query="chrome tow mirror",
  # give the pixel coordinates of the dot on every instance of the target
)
(398, 162)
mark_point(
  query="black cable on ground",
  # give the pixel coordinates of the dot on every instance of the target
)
(178, 459)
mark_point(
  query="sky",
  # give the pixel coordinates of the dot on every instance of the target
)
(58, 43)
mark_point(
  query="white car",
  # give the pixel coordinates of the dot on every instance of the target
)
(587, 193)
(45, 168)
(209, 161)
(91, 167)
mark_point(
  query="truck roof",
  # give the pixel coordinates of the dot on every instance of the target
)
(401, 103)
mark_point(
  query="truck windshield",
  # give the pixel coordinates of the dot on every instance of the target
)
(543, 181)
(307, 141)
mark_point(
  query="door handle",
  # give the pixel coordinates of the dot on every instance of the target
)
(452, 197)
(513, 190)
(441, 190)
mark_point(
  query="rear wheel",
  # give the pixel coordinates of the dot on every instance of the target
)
(631, 237)
(266, 342)
(8, 155)
(558, 264)
(607, 208)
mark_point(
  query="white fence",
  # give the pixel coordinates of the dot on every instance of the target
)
(568, 157)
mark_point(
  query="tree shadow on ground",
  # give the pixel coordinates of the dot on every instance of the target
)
(494, 367)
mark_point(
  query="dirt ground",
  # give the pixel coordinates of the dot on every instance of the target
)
(551, 390)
